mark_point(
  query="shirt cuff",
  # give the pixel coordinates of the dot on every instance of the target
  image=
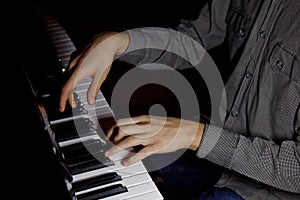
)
(218, 145)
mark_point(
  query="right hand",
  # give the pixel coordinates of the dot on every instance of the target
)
(94, 61)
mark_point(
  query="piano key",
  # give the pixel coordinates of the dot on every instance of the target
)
(77, 140)
(85, 110)
(97, 181)
(51, 105)
(85, 157)
(128, 181)
(73, 158)
(89, 165)
(72, 130)
(84, 147)
(83, 121)
(153, 195)
(103, 192)
(133, 169)
(138, 191)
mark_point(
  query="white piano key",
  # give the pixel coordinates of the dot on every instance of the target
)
(153, 195)
(136, 168)
(122, 154)
(129, 181)
(96, 188)
(100, 112)
(137, 179)
(136, 191)
(77, 140)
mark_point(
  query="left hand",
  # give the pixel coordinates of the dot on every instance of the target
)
(155, 134)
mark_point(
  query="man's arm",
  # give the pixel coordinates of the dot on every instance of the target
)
(187, 41)
(263, 160)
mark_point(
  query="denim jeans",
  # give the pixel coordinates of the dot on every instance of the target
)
(216, 193)
(191, 178)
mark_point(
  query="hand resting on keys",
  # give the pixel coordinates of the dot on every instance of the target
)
(154, 134)
(94, 61)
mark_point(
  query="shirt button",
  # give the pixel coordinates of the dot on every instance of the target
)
(241, 32)
(248, 75)
(263, 35)
(234, 113)
(279, 64)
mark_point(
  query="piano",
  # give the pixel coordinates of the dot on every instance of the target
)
(75, 139)
(59, 155)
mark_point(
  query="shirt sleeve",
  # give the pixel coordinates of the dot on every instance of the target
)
(277, 165)
(158, 45)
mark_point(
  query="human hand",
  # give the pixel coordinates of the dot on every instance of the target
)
(94, 61)
(155, 134)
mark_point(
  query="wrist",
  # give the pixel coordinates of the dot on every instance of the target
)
(114, 42)
(197, 138)
(121, 43)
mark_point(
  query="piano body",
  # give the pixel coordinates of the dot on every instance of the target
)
(65, 150)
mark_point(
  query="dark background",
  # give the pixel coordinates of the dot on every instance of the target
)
(29, 163)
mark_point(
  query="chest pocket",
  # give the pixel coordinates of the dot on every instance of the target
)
(238, 29)
(280, 90)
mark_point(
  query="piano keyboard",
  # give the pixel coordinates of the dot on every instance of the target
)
(79, 137)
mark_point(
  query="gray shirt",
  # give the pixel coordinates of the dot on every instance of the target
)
(258, 142)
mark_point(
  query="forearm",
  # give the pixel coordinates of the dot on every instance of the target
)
(117, 42)
(166, 47)
(277, 165)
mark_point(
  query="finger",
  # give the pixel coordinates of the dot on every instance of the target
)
(124, 144)
(95, 86)
(117, 133)
(71, 100)
(111, 131)
(136, 157)
(133, 120)
(127, 130)
(67, 92)
(74, 62)
(66, 95)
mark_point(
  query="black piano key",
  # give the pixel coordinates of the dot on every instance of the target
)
(85, 157)
(80, 145)
(89, 165)
(88, 154)
(72, 132)
(96, 181)
(82, 148)
(79, 122)
(51, 104)
(103, 192)
(94, 145)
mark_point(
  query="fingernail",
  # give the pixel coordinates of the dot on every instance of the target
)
(92, 101)
(106, 154)
(125, 163)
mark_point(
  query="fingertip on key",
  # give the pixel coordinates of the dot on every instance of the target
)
(61, 109)
(125, 163)
(91, 101)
